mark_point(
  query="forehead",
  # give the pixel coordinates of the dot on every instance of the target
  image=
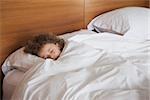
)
(47, 46)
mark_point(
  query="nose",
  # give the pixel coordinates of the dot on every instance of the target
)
(51, 55)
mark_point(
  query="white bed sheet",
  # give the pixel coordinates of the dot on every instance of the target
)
(13, 77)
(79, 32)
(10, 82)
(114, 70)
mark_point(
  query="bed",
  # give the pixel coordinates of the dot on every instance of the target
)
(13, 76)
(116, 69)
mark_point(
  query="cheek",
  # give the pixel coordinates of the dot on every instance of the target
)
(42, 54)
(57, 51)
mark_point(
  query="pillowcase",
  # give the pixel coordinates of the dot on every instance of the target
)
(131, 21)
(21, 61)
(114, 22)
(139, 20)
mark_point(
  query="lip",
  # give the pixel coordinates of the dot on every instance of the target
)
(45, 57)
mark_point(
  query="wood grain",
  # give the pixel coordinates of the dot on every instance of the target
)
(21, 19)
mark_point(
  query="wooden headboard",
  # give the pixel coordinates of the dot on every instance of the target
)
(22, 19)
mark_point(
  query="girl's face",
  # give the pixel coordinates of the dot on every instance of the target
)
(50, 50)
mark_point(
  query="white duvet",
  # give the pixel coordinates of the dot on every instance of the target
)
(91, 69)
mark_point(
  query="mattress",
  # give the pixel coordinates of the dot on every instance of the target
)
(10, 82)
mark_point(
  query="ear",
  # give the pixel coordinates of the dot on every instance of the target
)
(58, 46)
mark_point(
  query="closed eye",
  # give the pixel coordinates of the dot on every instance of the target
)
(52, 50)
(49, 50)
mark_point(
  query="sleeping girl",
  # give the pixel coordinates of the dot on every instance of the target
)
(45, 46)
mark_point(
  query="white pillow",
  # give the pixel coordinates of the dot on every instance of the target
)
(131, 21)
(21, 61)
(114, 22)
(139, 20)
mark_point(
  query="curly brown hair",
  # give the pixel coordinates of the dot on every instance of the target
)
(34, 46)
